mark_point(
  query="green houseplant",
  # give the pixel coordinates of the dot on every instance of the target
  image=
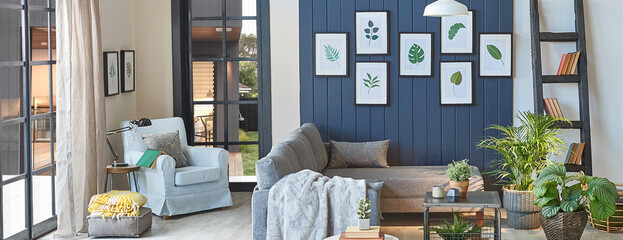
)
(523, 152)
(461, 229)
(459, 174)
(564, 200)
(363, 214)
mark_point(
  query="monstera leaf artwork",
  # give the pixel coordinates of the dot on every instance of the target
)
(331, 53)
(454, 29)
(371, 32)
(456, 80)
(495, 52)
(371, 82)
(416, 54)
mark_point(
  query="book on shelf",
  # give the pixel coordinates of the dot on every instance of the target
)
(571, 153)
(557, 108)
(578, 156)
(565, 65)
(568, 63)
(552, 108)
(574, 155)
(380, 237)
(354, 233)
(574, 66)
(562, 63)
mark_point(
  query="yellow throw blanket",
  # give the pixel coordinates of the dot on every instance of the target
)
(117, 204)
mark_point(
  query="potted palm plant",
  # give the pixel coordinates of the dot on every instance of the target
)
(363, 213)
(523, 152)
(564, 201)
(461, 229)
(459, 173)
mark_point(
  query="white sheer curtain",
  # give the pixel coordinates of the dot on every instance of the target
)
(81, 121)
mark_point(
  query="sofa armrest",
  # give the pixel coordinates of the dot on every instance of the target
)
(207, 157)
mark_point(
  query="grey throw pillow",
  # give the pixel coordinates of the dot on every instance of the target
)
(358, 154)
(169, 143)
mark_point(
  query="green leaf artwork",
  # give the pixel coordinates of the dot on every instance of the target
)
(456, 79)
(128, 69)
(454, 29)
(331, 53)
(371, 82)
(111, 71)
(416, 54)
(371, 32)
(495, 52)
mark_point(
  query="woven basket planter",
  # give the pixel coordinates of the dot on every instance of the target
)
(613, 224)
(520, 209)
(564, 226)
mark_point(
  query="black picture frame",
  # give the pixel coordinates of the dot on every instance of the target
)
(357, 33)
(473, 90)
(473, 36)
(387, 66)
(107, 88)
(347, 35)
(123, 76)
(432, 55)
(511, 56)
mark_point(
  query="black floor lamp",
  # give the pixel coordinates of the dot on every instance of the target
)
(138, 123)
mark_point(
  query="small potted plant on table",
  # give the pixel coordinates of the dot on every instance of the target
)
(363, 212)
(524, 151)
(461, 229)
(564, 200)
(459, 174)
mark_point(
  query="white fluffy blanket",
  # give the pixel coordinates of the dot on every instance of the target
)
(307, 205)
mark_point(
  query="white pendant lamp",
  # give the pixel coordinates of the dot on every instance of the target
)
(442, 8)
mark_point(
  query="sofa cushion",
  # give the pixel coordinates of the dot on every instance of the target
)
(169, 143)
(303, 150)
(279, 162)
(194, 174)
(358, 154)
(313, 136)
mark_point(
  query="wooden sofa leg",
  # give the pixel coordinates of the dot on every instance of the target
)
(165, 217)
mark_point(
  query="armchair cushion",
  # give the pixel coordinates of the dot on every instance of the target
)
(193, 174)
(169, 143)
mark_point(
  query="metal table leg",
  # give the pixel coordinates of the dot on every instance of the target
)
(106, 183)
(426, 218)
(135, 182)
(498, 224)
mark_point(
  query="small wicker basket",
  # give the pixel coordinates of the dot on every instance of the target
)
(613, 224)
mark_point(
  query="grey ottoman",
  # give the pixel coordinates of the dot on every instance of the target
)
(120, 227)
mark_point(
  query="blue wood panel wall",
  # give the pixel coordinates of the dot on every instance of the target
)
(422, 132)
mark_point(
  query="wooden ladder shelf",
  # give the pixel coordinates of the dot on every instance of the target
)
(579, 37)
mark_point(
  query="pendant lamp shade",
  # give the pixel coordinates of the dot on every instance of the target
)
(442, 8)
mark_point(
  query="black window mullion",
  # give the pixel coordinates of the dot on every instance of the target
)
(26, 92)
(190, 71)
(51, 110)
(225, 73)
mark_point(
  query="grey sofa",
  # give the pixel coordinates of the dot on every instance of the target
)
(403, 187)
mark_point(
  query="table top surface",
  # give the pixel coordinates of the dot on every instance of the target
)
(483, 199)
(125, 169)
(337, 237)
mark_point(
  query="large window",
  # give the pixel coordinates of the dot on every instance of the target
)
(225, 80)
(27, 118)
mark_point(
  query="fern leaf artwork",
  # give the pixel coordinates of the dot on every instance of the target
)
(331, 53)
(495, 52)
(454, 29)
(416, 54)
(111, 71)
(371, 82)
(128, 69)
(371, 31)
(456, 80)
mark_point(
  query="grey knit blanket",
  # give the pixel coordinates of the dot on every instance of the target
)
(307, 205)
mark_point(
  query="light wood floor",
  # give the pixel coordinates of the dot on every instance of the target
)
(235, 223)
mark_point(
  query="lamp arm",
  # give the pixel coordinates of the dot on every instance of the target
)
(112, 150)
(119, 130)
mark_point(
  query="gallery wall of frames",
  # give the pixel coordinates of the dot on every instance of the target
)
(379, 69)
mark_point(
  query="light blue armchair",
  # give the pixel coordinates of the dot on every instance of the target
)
(202, 185)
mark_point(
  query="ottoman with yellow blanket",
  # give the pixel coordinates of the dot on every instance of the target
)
(118, 214)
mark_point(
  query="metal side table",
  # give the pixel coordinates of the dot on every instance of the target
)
(480, 199)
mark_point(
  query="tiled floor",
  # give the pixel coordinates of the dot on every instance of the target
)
(235, 223)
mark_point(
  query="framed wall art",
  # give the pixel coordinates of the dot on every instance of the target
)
(372, 32)
(331, 54)
(111, 73)
(128, 83)
(496, 54)
(416, 54)
(456, 83)
(457, 34)
(371, 83)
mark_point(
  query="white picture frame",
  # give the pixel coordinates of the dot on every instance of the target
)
(496, 55)
(416, 54)
(111, 73)
(375, 90)
(372, 32)
(331, 54)
(449, 91)
(457, 34)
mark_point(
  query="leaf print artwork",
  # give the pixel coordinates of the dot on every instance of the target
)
(456, 79)
(111, 71)
(416, 54)
(128, 69)
(495, 52)
(371, 31)
(454, 29)
(371, 83)
(331, 53)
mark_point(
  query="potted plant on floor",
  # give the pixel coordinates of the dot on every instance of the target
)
(564, 200)
(523, 152)
(459, 174)
(363, 212)
(461, 229)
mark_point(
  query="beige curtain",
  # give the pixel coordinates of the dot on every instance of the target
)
(81, 121)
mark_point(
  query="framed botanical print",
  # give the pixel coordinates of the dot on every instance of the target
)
(372, 32)
(496, 54)
(416, 54)
(456, 83)
(111, 73)
(457, 34)
(128, 83)
(331, 54)
(371, 83)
